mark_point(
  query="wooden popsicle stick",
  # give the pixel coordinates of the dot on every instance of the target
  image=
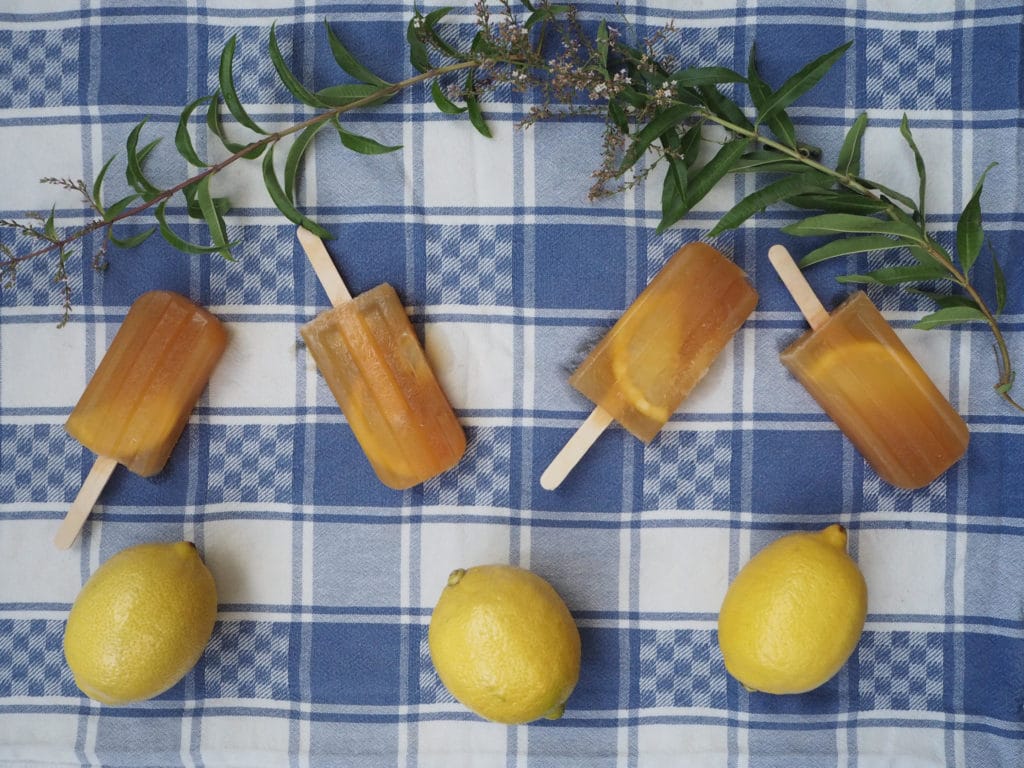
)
(571, 453)
(84, 501)
(798, 287)
(324, 267)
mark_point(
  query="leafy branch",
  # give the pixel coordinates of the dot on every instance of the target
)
(864, 215)
(655, 112)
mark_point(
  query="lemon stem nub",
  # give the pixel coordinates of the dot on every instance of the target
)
(456, 576)
(555, 712)
(835, 535)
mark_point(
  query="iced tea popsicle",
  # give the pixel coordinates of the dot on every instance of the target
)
(659, 349)
(369, 354)
(866, 380)
(138, 401)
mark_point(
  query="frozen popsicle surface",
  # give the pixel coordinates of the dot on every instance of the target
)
(663, 345)
(867, 381)
(145, 387)
(368, 352)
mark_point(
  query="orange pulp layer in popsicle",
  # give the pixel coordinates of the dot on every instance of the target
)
(140, 397)
(368, 352)
(867, 381)
(664, 343)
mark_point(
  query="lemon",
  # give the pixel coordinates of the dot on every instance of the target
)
(504, 644)
(794, 613)
(647, 352)
(141, 622)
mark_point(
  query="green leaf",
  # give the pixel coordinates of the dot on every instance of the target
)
(782, 127)
(349, 63)
(945, 299)
(759, 90)
(133, 241)
(847, 245)
(969, 232)
(689, 96)
(429, 22)
(175, 240)
(227, 87)
(546, 13)
(921, 254)
(768, 161)
(218, 231)
(418, 55)
(724, 107)
(349, 93)
(839, 201)
(191, 193)
(696, 76)
(706, 178)
(835, 223)
(214, 124)
(661, 122)
(283, 203)
(1000, 281)
(50, 227)
(290, 81)
(146, 150)
(116, 209)
(849, 154)
(670, 140)
(481, 44)
(133, 173)
(950, 316)
(295, 153)
(97, 186)
(892, 194)
(182, 138)
(673, 191)
(361, 144)
(602, 45)
(760, 94)
(767, 195)
(618, 116)
(442, 102)
(632, 98)
(797, 85)
(677, 174)
(476, 114)
(689, 145)
(895, 275)
(921, 172)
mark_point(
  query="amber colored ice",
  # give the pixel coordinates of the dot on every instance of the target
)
(145, 387)
(860, 372)
(368, 352)
(665, 342)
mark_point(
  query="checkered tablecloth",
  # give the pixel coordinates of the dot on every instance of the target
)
(326, 579)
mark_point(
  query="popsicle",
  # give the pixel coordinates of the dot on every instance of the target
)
(138, 401)
(659, 350)
(867, 381)
(368, 352)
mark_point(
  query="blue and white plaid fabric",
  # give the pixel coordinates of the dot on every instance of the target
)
(327, 579)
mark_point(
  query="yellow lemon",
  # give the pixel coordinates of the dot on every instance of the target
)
(648, 351)
(141, 622)
(504, 644)
(794, 613)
